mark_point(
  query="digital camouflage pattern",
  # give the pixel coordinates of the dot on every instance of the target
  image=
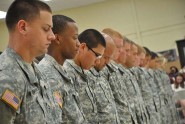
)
(164, 114)
(170, 96)
(83, 88)
(15, 76)
(169, 100)
(143, 79)
(58, 80)
(134, 96)
(118, 88)
(106, 107)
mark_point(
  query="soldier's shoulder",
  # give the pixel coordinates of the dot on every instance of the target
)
(4, 75)
(11, 91)
(45, 68)
(7, 62)
(8, 82)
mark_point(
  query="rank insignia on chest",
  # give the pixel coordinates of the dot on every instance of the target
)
(11, 99)
(58, 98)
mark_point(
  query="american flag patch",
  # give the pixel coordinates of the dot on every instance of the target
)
(58, 98)
(11, 99)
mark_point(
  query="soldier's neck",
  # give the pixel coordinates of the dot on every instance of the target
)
(58, 57)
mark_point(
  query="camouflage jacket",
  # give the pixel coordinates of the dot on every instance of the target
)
(22, 100)
(168, 96)
(83, 88)
(143, 80)
(118, 88)
(59, 82)
(134, 96)
(106, 108)
(164, 112)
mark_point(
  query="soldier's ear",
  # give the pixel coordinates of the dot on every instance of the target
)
(22, 26)
(58, 39)
(83, 46)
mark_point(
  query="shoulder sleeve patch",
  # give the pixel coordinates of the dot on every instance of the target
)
(11, 99)
(58, 98)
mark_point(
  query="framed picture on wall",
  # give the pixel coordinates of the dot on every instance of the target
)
(181, 50)
(170, 54)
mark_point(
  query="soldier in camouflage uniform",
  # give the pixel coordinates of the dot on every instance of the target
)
(92, 46)
(114, 77)
(169, 95)
(134, 90)
(66, 32)
(22, 89)
(143, 79)
(106, 108)
(149, 76)
(165, 113)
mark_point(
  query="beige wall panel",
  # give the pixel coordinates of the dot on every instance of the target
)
(159, 13)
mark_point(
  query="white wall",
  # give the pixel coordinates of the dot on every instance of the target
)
(156, 24)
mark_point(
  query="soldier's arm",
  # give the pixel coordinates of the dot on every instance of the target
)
(6, 113)
(9, 101)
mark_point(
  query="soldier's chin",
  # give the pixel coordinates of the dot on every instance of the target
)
(42, 52)
(88, 68)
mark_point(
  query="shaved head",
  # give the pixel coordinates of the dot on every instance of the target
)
(110, 45)
(108, 53)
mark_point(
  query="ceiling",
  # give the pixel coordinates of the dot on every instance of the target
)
(56, 5)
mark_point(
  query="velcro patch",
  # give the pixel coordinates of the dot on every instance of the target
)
(11, 99)
(58, 98)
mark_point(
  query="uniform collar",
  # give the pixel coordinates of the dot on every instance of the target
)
(56, 65)
(94, 72)
(31, 77)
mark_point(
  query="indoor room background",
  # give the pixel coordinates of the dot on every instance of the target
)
(156, 24)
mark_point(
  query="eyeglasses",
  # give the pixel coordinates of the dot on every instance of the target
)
(98, 56)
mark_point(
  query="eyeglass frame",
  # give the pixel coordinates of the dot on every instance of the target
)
(98, 55)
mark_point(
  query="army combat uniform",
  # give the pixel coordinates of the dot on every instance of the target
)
(169, 100)
(143, 79)
(22, 92)
(119, 92)
(106, 108)
(60, 83)
(83, 88)
(164, 114)
(134, 96)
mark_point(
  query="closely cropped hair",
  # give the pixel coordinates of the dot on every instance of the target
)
(132, 43)
(112, 33)
(148, 52)
(92, 38)
(161, 59)
(153, 55)
(140, 50)
(60, 23)
(125, 39)
(24, 9)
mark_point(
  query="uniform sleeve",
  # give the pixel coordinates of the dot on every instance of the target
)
(9, 100)
(7, 114)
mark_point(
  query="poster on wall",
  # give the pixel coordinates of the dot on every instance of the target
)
(170, 54)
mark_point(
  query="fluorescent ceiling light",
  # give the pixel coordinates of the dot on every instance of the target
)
(2, 14)
(46, 0)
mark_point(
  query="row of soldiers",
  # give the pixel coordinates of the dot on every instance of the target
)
(104, 83)
(90, 78)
